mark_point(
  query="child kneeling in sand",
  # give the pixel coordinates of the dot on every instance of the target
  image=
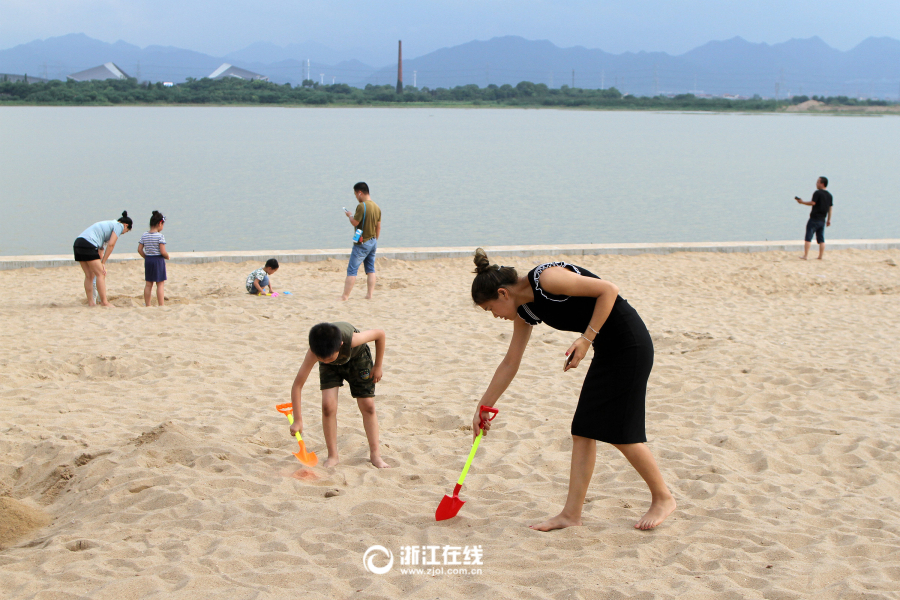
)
(343, 354)
(259, 279)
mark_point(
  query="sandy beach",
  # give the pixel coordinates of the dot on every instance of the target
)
(141, 454)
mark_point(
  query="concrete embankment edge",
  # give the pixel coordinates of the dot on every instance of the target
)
(293, 256)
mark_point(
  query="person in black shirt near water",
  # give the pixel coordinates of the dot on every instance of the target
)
(819, 216)
(611, 405)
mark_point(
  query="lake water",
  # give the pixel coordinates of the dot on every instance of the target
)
(276, 178)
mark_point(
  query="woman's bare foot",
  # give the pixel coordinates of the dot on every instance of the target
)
(659, 510)
(557, 522)
(378, 462)
(331, 461)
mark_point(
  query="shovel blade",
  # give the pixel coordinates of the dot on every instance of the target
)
(448, 508)
(307, 458)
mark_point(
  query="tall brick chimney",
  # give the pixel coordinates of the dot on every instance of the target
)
(400, 67)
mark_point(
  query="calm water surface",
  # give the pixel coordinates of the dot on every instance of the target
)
(276, 178)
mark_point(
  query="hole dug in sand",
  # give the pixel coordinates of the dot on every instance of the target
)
(17, 520)
(80, 545)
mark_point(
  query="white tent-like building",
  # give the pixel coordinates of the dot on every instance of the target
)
(105, 71)
(226, 70)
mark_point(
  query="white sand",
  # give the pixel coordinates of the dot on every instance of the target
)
(150, 437)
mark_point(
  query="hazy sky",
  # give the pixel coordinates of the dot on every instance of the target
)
(674, 26)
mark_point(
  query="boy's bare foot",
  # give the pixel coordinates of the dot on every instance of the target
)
(659, 510)
(331, 461)
(378, 462)
(557, 522)
(802, 257)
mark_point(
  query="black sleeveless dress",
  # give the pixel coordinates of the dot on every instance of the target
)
(611, 405)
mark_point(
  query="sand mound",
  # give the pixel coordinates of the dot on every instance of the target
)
(17, 520)
(805, 106)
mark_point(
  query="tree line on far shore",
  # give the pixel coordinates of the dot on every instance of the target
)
(239, 91)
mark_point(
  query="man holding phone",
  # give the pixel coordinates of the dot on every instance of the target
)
(819, 217)
(366, 222)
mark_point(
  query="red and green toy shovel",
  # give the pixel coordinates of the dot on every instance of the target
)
(450, 505)
(307, 458)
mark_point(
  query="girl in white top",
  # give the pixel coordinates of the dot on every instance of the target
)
(153, 248)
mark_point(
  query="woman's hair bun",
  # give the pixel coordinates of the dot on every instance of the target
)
(481, 261)
(490, 278)
(124, 213)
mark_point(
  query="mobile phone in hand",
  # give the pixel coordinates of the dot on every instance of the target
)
(795, 198)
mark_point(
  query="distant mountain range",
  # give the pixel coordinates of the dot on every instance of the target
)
(55, 58)
(735, 66)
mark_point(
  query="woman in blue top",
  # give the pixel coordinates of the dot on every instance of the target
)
(87, 252)
(611, 405)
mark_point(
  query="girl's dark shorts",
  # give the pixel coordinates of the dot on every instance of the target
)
(356, 371)
(85, 251)
(154, 268)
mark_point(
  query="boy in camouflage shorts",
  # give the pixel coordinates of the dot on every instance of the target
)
(343, 354)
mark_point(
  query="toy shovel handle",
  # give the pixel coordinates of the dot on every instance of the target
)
(288, 411)
(487, 409)
(465, 470)
(475, 444)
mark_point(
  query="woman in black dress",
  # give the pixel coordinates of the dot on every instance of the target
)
(611, 406)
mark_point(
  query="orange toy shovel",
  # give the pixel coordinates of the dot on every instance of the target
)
(450, 505)
(307, 458)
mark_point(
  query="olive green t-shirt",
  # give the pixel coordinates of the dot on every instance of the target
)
(372, 218)
(347, 351)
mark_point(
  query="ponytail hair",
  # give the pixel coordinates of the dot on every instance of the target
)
(126, 220)
(490, 278)
(156, 218)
